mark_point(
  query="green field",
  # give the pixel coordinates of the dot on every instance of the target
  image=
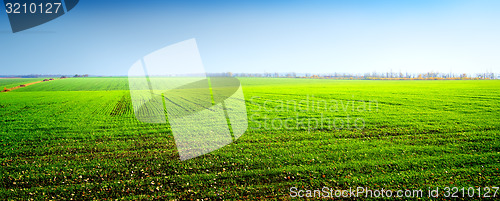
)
(13, 82)
(78, 138)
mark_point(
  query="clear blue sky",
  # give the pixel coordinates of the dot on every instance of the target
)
(309, 36)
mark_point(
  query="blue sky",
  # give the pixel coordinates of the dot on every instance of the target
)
(352, 36)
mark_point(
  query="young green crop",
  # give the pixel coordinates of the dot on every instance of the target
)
(79, 138)
(13, 82)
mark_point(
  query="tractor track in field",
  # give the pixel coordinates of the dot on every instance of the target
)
(24, 85)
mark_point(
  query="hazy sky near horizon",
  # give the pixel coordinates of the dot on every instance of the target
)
(308, 36)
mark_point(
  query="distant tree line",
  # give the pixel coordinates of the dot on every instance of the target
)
(373, 76)
(43, 75)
